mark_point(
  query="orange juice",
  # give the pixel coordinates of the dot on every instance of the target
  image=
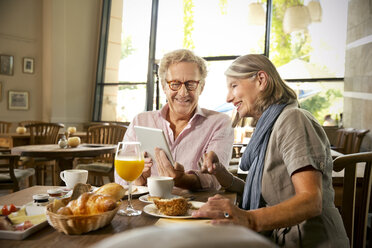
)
(129, 170)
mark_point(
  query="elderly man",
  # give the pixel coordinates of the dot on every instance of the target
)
(190, 130)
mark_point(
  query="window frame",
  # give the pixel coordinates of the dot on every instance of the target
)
(152, 83)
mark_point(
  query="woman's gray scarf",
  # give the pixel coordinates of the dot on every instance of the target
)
(254, 156)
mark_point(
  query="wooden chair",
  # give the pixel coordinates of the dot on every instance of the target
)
(5, 126)
(354, 209)
(9, 175)
(43, 133)
(28, 122)
(349, 140)
(103, 165)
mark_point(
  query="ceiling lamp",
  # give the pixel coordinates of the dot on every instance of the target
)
(256, 14)
(315, 11)
(296, 18)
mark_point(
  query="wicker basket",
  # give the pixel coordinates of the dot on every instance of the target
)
(70, 224)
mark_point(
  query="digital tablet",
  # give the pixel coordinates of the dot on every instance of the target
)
(151, 138)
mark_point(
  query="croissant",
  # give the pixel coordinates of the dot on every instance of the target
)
(89, 203)
(112, 189)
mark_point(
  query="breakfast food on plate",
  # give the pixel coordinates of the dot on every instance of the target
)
(88, 204)
(173, 207)
(16, 219)
(112, 189)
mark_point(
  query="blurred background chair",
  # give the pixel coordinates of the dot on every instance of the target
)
(10, 177)
(42, 133)
(28, 122)
(355, 205)
(5, 150)
(103, 165)
(5, 126)
(349, 140)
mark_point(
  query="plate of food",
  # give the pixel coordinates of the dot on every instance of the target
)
(175, 208)
(18, 222)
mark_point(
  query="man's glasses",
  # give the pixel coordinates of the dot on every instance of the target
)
(175, 85)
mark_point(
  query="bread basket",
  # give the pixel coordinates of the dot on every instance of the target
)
(71, 224)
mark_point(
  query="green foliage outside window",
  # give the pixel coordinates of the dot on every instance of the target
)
(126, 47)
(188, 21)
(319, 104)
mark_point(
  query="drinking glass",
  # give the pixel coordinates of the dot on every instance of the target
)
(129, 164)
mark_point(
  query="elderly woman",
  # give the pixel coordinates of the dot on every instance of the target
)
(288, 193)
(190, 130)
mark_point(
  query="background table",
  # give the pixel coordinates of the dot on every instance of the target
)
(49, 237)
(10, 140)
(64, 156)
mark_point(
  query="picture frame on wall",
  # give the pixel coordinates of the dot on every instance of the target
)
(18, 100)
(28, 65)
(6, 64)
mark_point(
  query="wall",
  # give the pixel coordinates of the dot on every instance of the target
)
(109, 103)
(20, 36)
(62, 36)
(358, 69)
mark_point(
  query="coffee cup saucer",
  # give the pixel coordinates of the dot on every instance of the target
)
(144, 198)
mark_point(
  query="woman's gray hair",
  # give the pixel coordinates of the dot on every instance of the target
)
(182, 55)
(276, 92)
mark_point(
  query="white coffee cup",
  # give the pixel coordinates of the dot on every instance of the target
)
(160, 186)
(72, 177)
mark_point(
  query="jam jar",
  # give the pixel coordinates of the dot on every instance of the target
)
(41, 199)
(55, 193)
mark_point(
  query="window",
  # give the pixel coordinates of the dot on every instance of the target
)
(310, 59)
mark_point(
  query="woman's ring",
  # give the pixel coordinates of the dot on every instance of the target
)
(226, 215)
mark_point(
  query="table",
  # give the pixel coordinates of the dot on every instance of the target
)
(64, 156)
(49, 237)
(10, 140)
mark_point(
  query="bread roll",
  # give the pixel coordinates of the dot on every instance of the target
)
(112, 189)
(88, 204)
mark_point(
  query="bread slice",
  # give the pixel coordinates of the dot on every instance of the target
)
(173, 207)
(79, 189)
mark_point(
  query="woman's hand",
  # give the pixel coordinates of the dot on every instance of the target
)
(142, 180)
(223, 211)
(212, 164)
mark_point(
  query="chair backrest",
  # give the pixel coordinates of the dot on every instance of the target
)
(355, 215)
(28, 122)
(44, 133)
(106, 134)
(8, 163)
(5, 126)
(349, 140)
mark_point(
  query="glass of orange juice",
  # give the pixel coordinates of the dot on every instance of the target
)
(129, 164)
